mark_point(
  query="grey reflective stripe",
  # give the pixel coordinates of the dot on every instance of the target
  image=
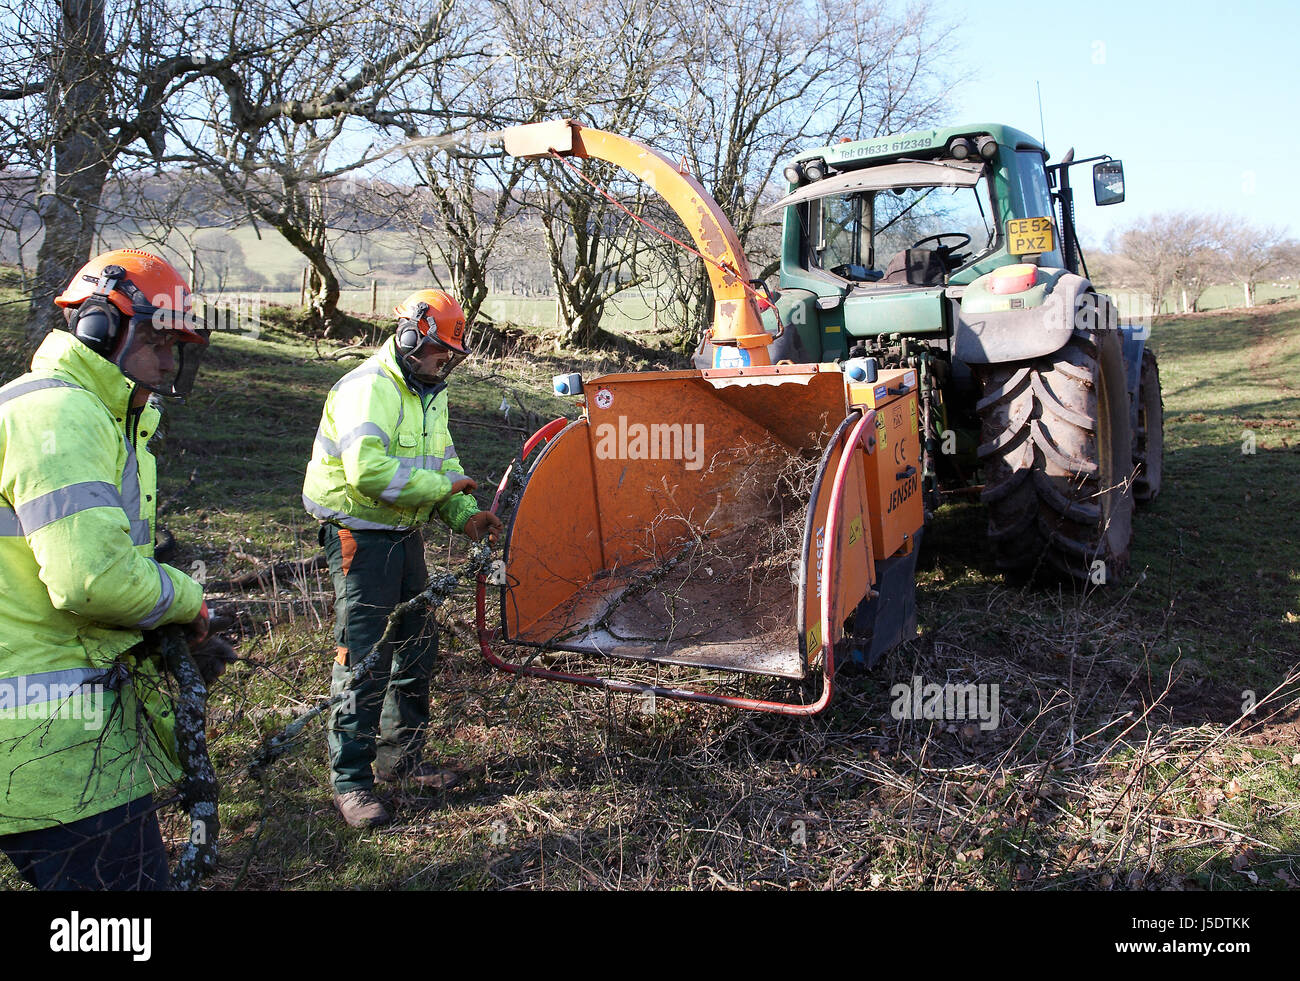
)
(39, 512)
(435, 462)
(131, 482)
(140, 533)
(31, 689)
(10, 392)
(363, 430)
(453, 476)
(336, 450)
(346, 520)
(164, 600)
(362, 371)
(400, 479)
(327, 446)
(10, 527)
(431, 462)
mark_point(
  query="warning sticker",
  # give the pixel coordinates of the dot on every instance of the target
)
(604, 398)
(814, 638)
(855, 530)
(881, 430)
(913, 407)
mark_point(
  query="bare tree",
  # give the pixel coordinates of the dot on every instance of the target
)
(769, 80)
(608, 63)
(84, 88)
(279, 131)
(222, 264)
(1252, 254)
(466, 194)
(1166, 249)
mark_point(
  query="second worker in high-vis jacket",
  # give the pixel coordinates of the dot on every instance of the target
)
(383, 465)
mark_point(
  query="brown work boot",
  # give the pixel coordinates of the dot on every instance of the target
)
(361, 809)
(422, 775)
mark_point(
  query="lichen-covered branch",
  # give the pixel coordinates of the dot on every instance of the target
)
(199, 788)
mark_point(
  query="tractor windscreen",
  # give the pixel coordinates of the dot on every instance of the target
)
(912, 234)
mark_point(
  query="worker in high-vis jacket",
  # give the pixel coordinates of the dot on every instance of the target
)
(383, 465)
(85, 723)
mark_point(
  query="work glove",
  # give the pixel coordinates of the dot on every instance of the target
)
(212, 657)
(480, 524)
(464, 485)
(212, 654)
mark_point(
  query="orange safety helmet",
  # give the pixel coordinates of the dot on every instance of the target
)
(121, 298)
(147, 287)
(431, 314)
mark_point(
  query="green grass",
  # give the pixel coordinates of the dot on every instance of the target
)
(566, 788)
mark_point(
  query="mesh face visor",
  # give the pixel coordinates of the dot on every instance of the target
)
(431, 341)
(163, 347)
(163, 359)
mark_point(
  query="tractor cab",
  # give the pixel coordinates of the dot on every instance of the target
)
(910, 223)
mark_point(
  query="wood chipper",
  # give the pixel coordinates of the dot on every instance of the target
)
(749, 517)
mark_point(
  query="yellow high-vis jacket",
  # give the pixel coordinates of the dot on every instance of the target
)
(84, 725)
(383, 459)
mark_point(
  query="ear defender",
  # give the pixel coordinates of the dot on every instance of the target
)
(97, 323)
(408, 330)
(408, 336)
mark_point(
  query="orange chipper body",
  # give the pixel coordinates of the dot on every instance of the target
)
(644, 529)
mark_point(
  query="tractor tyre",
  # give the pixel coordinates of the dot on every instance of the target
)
(1056, 447)
(1149, 438)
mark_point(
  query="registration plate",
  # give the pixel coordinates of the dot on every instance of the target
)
(1026, 236)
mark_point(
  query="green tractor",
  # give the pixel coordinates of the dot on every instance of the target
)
(954, 252)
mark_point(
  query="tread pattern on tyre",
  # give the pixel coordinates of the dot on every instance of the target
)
(1039, 445)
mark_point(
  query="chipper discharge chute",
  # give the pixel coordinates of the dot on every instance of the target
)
(751, 518)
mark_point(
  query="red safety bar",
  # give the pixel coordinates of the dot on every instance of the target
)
(830, 588)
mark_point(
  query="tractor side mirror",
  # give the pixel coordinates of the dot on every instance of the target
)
(1108, 182)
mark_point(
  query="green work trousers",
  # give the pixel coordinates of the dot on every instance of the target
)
(384, 716)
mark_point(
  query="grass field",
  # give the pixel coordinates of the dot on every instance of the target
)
(1124, 760)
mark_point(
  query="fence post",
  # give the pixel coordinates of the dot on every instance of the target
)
(374, 297)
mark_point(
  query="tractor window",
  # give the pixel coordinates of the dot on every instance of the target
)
(844, 239)
(1031, 175)
(861, 236)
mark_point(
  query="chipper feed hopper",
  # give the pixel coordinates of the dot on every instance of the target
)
(751, 517)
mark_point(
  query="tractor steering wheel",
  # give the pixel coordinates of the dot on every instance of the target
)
(938, 239)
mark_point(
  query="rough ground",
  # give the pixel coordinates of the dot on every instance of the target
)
(1123, 759)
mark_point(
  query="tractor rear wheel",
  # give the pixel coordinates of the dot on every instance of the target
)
(1056, 447)
(1149, 439)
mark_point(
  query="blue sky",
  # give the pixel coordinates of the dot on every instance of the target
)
(1201, 101)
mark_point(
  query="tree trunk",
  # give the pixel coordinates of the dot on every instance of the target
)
(1250, 294)
(68, 204)
(324, 294)
(323, 284)
(583, 332)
